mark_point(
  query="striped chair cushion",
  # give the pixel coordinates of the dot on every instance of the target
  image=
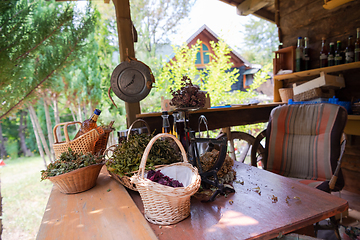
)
(299, 143)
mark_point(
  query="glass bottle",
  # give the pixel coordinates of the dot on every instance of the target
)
(338, 54)
(306, 56)
(88, 124)
(349, 51)
(357, 46)
(331, 55)
(165, 124)
(298, 54)
(180, 129)
(323, 54)
(174, 128)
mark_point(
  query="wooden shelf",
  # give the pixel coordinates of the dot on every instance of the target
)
(314, 72)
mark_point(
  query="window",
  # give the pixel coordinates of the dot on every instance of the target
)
(202, 57)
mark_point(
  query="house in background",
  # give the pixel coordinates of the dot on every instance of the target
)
(246, 69)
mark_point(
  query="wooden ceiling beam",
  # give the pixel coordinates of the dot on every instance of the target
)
(250, 6)
(266, 15)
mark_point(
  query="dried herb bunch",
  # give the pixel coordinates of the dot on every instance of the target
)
(69, 161)
(127, 156)
(226, 173)
(188, 95)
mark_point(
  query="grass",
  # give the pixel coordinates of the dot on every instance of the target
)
(24, 197)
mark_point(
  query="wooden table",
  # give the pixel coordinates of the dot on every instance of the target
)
(107, 211)
(253, 212)
(103, 212)
(218, 117)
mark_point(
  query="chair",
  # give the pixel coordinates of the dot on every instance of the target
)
(304, 142)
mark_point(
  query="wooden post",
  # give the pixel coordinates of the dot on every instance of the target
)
(126, 48)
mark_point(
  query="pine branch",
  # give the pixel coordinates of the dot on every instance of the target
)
(41, 82)
(47, 37)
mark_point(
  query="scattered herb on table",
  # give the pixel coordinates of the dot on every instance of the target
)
(69, 161)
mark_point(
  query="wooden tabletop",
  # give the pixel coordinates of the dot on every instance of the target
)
(108, 212)
(264, 206)
(223, 117)
(104, 212)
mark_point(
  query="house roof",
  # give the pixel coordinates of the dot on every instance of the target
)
(214, 36)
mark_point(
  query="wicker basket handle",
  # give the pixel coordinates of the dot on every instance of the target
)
(110, 149)
(66, 124)
(148, 148)
(131, 126)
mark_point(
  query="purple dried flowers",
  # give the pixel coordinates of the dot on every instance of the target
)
(188, 95)
(157, 176)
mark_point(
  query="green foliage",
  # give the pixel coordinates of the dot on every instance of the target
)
(154, 21)
(260, 40)
(41, 39)
(173, 71)
(12, 148)
(216, 78)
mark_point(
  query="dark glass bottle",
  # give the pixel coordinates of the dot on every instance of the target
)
(357, 46)
(323, 54)
(349, 51)
(298, 55)
(338, 54)
(306, 56)
(331, 55)
(88, 124)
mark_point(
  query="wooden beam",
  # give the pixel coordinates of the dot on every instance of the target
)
(250, 6)
(266, 15)
(126, 48)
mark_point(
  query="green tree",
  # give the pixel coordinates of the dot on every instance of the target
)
(260, 40)
(38, 40)
(154, 21)
(216, 78)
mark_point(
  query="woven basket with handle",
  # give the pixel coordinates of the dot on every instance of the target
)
(125, 180)
(166, 205)
(85, 143)
(79, 180)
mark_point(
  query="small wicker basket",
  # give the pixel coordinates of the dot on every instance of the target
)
(79, 180)
(166, 205)
(85, 143)
(125, 180)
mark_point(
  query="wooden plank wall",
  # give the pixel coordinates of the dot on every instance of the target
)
(308, 18)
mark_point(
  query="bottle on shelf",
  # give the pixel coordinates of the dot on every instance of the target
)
(357, 46)
(88, 124)
(331, 55)
(299, 55)
(165, 124)
(338, 54)
(323, 54)
(306, 56)
(349, 51)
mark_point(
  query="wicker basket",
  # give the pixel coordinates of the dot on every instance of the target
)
(286, 94)
(166, 205)
(125, 180)
(79, 180)
(85, 143)
(101, 144)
